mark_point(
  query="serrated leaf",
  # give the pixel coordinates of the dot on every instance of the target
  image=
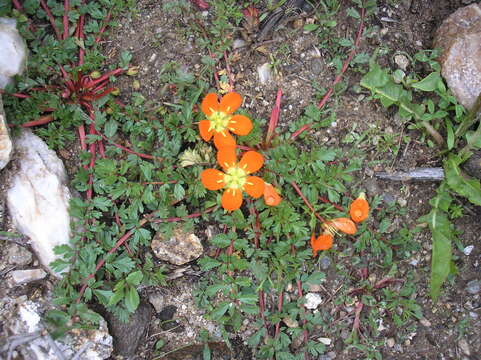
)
(220, 310)
(468, 187)
(220, 241)
(208, 263)
(134, 278)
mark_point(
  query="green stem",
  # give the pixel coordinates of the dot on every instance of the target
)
(470, 118)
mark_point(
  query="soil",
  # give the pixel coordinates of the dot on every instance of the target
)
(155, 38)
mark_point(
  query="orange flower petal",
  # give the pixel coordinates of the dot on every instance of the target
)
(226, 157)
(231, 199)
(271, 197)
(204, 127)
(359, 209)
(230, 102)
(240, 125)
(251, 161)
(210, 104)
(343, 224)
(323, 242)
(212, 179)
(254, 186)
(223, 139)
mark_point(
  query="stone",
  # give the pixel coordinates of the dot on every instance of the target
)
(313, 300)
(238, 43)
(167, 313)
(390, 342)
(181, 248)
(157, 301)
(425, 322)
(463, 345)
(265, 73)
(468, 250)
(18, 255)
(325, 262)
(325, 341)
(83, 344)
(459, 37)
(38, 197)
(127, 335)
(13, 51)
(290, 322)
(5, 141)
(473, 287)
(18, 277)
(401, 61)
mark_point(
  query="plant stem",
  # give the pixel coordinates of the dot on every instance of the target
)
(66, 8)
(144, 156)
(104, 26)
(276, 110)
(298, 190)
(51, 19)
(40, 121)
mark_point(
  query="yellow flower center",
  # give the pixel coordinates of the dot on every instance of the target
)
(219, 121)
(235, 178)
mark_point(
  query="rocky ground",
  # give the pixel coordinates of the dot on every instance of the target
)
(448, 330)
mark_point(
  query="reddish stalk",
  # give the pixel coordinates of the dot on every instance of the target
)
(18, 95)
(338, 78)
(262, 309)
(17, 5)
(66, 8)
(80, 35)
(144, 156)
(40, 121)
(298, 190)
(104, 77)
(81, 133)
(101, 263)
(190, 216)
(93, 156)
(274, 118)
(279, 309)
(201, 4)
(104, 26)
(51, 19)
(229, 72)
(357, 317)
(327, 201)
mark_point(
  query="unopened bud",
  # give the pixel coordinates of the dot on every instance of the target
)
(116, 92)
(136, 84)
(95, 74)
(133, 70)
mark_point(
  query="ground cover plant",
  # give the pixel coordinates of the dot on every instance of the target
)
(285, 204)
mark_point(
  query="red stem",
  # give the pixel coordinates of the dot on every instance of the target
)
(80, 32)
(40, 121)
(304, 321)
(105, 76)
(338, 78)
(66, 8)
(51, 19)
(17, 5)
(274, 118)
(327, 201)
(81, 132)
(298, 190)
(104, 26)
(279, 308)
(144, 156)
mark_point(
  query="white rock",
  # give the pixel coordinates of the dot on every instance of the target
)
(18, 255)
(401, 61)
(5, 142)
(38, 197)
(325, 341)
(13, 51)
(468, 250)
(313, 300)
(238, 43)
(18, 277)
(181, 248)
(28, 319)
(265, 73)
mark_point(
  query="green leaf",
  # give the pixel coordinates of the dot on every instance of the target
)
(220, 241)
(110, 128)
(220, 310)
(429, 83)
(442, 233)
(208, 263)
(134, 278)
(132, 299)
(103, 295)
(118, 295)
(206, 353)
(460, 183)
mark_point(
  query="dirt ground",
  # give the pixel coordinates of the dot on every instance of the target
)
(155, 37)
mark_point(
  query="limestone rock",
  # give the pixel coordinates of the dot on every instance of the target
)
(459, 37)
(38, 197)
(13, 51)
(18, 255)
(5, 142)
(265, 73)
(89, 344)
(313, 300)
(18, 277)
(181, 248)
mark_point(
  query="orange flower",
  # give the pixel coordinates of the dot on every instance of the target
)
(342, 224)
(220, 121)
(323, 242)
(271, 197)
(359, 209)
(235, 179)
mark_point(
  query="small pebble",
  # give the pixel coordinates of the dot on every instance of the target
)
(312, 301)
(390, 342)
(291, 323)
(314, 288)
(463, 345)
(238, 43)
(425, 322)
(325, 341)
(265, 73)
(468, 249)
(401, 61)
(325, 262)
(25, 276)
(473, 287)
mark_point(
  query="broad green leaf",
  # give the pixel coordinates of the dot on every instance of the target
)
(208, 263)
(443, 235)
(134, 278)
(220, 310)
(429, 83)
(460, 183)
(132, 299)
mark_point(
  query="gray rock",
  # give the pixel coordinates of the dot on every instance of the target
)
(316, 66)
(18, 255)
(13, 51)
(325, 262)
(401, 61)
(181, 248)
(238, 43)
(96, 344)
(460, 38)
(312, 301)
(468, 250)
(18, 277)
(127, 336)
(5, 141)
(38, 197)
(473, 287)
(463, 345)
(157, 301)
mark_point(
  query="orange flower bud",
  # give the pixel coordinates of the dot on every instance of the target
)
(322, 242)
(359, 209)
(271, 197)
(345, 225)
